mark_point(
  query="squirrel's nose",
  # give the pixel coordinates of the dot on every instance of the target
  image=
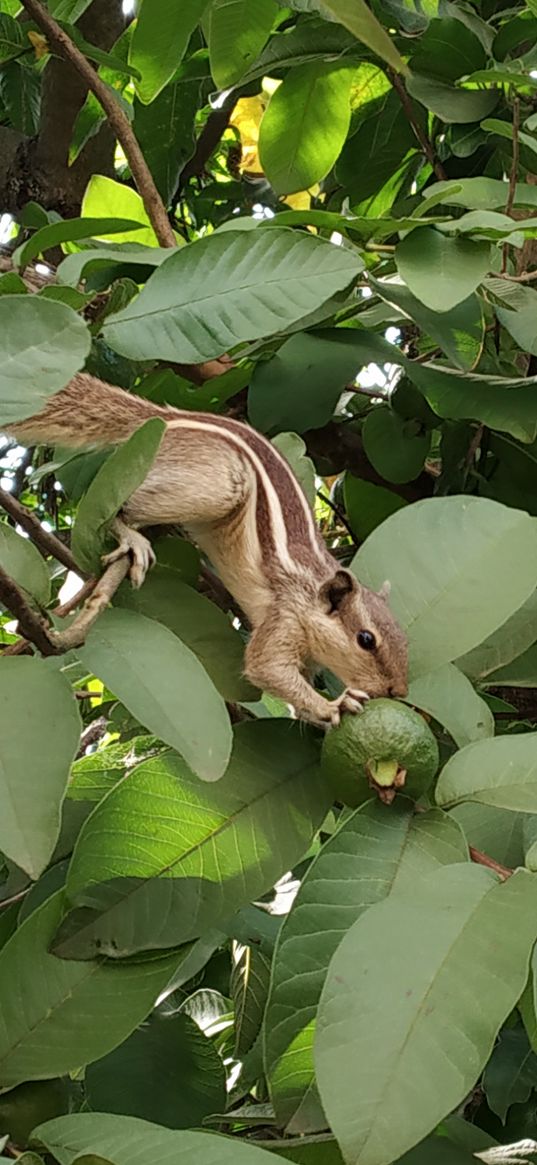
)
(397, 691)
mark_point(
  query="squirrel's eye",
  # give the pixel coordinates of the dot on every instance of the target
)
(366, 640)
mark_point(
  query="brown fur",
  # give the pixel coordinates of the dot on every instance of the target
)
(238, 499)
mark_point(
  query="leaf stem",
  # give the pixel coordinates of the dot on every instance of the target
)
(424, 141)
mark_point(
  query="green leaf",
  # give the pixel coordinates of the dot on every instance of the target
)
(520, 318)
(305, 126)
(223, 846)
(228, 288)
(293, 448)
(476, 561)
(504, 403)
(249, 985)
(396, 448)
(376, 851)
(104, 196)
(448, 50)
(42, 345)
(459, 333)
(498, 772)
(441, 272)
(23, 562)
(163, 685)
(389, 1073)
(125, 1140)
(198, 623)
(448, 696)
(368, 505)
(69, 231)
(33, 1102)
(383, 136)
(20, 94)
(482, 193)
(358, 18)
(300, 386)
(58, 1015)
(163, 30)
(458, 106)
(238, 31)
(307, 41)
(74, 268)
(12, 38)
(504, 645)
(511, 1073)
(167, 1071)
(37, 751)
(165, 132)
(116, 480)
(521, 673)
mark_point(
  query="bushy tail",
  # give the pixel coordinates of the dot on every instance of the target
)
(86, 413)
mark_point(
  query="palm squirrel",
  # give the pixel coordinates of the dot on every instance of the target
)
(239, 500)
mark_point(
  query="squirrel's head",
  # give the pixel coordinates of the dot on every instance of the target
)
(355, 635)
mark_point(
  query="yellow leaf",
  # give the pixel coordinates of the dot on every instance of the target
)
(39, 43)
(247, 119)
(302, 199)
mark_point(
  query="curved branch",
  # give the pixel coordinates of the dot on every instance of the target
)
(64, 47)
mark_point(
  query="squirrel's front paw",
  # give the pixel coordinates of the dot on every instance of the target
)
(351, 700)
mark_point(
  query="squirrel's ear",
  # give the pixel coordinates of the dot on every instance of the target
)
(336, 588)
(385, 590)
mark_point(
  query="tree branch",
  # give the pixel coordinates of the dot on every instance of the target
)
(101, 596)
(47, 543)
(32, 626)
(64, 47)
(484, 860)
(207, 142)
(425, 142)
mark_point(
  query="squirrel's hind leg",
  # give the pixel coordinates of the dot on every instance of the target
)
(136, 545)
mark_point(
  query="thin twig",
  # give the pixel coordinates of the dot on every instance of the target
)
(32, 626)
(46, 542)
(97, 602)
(5, 902)
(74, 602)
(484, 860)
(424, 141)
(526, 277)
(474, 446)
(339, 514)
(513, 175)
(64, 47)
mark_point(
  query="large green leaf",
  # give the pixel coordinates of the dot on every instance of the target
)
(69, 231)
(23, 562)
(376, 851)
(167, 1071)
(448, 50)
(520, 673)
(358, 18)
(476, 562)
(40, 734)
(122, 473)
(305, 126)
(227, 288)
(42, 345)
(161, 36)
(163, 685)
(238, 31)
(301, 385)
(12, 39)
(59, 1015)
(196, 621)
(482, 193)
(106, 196)
(249, 985)
(449, 103)
(125, 1140)
(400, 1038)
(395, 446)
(305, 42)
(501, 772)
(80, 265)
(508, 404)
(198, 853)
(449, 696)
(441, 272)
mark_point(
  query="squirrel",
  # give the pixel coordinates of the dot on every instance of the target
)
(238, 499)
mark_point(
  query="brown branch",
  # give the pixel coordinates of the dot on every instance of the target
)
(526, 277)
(97, 602)
(64, 47)
(484, 860)
(425, 142)
(47, 543)
(32, 625)
(4, 902)
(511, 194)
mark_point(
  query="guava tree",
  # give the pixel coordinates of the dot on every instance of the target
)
(318, 218)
